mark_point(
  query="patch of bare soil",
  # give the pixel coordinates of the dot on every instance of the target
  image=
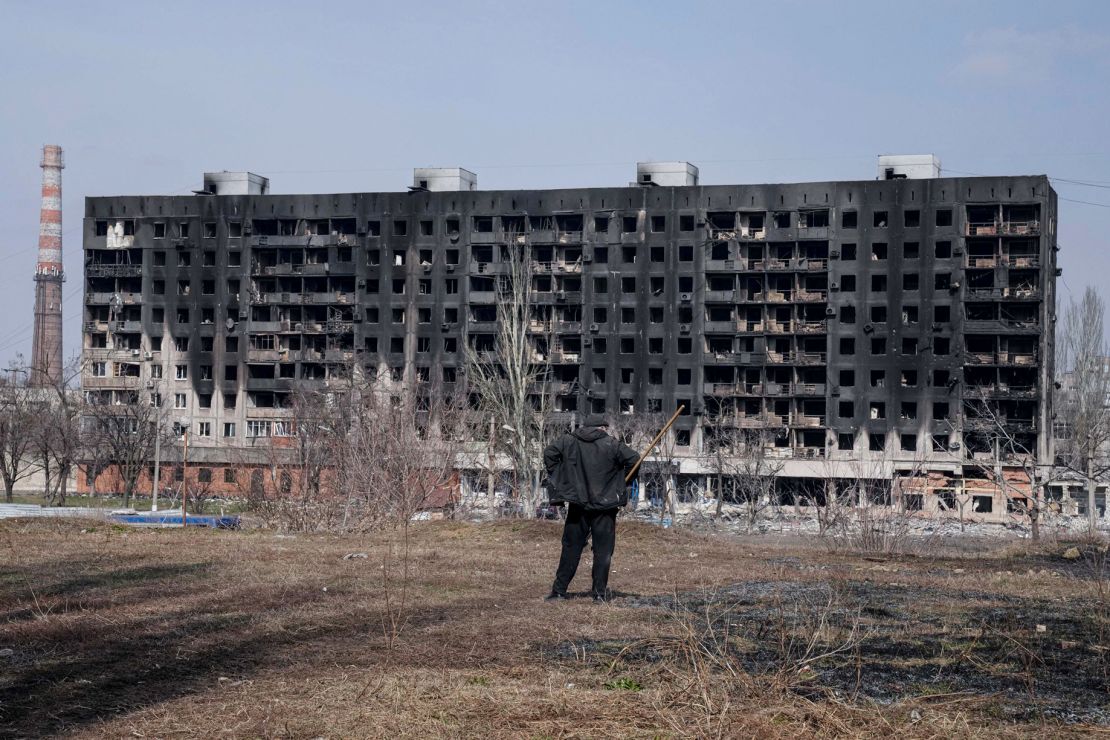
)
(106, 631)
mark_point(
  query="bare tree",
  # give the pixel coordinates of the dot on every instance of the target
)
(1011, 459)
(58, 435)
(510, 382)
(17, 428)
(742, 462)
(125, 434)
(1084, 393)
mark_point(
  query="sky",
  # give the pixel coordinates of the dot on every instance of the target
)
(350, 96)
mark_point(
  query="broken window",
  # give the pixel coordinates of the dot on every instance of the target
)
(847, 378)
(876, 442)
(845, 409)
(878, 251)
(878, 346)
(628, 224)
(911, 281)
(845, 442)
(879, 219)
(877, 410)
(911, 218)
(940, 410)
(944, 217)
(482, 224)
(686, 223)
(848, 283)
(909, 410)
(848, 252)
(849, 219)
(781, 219)
(847, 314)
(814, 219)
(658, 224)
(911, 250)
(400, 227)
(209, 229)
(601, 224)
(847, 346)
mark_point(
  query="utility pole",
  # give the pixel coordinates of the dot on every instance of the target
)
(157, 463)
(185, 481)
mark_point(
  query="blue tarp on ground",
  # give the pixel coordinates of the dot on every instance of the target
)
(174, 520)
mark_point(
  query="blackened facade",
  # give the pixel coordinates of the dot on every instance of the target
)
(894, 324)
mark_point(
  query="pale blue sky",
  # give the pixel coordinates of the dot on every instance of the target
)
(349, 96)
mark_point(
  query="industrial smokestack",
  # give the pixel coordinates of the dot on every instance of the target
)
(46, 349)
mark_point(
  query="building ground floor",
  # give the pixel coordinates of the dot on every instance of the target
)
(965, 493)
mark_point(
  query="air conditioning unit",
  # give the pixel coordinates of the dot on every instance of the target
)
(561, 295)
(248, 227)
(587, 257)
(834, 254)
(595, 328)
(685, 297)
(936, 327)
(587, 342)
(830, 311)
(445, 326)
(684, 328)
(450, 268)
(958, 251)
(134, 353)
(868, 328)
(834, 286)
(150, 384)
(148, 355)
(427, 269)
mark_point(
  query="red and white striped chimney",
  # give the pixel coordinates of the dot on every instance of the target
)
(46, 351)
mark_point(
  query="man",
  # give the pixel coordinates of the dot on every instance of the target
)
(586, 470)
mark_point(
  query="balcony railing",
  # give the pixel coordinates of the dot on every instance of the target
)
(1004, 228)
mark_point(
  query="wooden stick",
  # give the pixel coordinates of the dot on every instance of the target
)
(654, 442)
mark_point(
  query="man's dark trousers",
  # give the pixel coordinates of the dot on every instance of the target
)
(580, 525)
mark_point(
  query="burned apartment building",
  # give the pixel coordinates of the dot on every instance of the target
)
(865, 329)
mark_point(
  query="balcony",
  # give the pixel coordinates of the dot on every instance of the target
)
(127, 299)
(113, 271)
(980, 358)
(812, 296)
(813, 265)
(809, 422)
(749, 327)
(811, 327)
(810, 358)
(778, 265)
(982, 262)
(728, 390)
(807, 389)
(266, 355)
(115, 382)
(1003, 228)
(1023, 359)
(1023, 261)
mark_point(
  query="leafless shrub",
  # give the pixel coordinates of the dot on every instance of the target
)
(703, 656)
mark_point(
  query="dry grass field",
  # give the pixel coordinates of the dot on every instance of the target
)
(112, 632)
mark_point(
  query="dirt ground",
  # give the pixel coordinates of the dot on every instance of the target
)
(117, 632)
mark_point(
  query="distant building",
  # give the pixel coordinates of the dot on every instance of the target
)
(874, 329)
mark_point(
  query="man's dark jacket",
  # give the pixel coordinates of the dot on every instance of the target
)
(587, 467)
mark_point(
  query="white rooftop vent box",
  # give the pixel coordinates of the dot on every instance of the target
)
(908, 166)
(666, 174)
(235, 183)
(439, 179)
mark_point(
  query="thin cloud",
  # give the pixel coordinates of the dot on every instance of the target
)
(1002, 54)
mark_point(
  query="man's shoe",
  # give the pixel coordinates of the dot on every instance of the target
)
(555, 596)
(601, 598)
